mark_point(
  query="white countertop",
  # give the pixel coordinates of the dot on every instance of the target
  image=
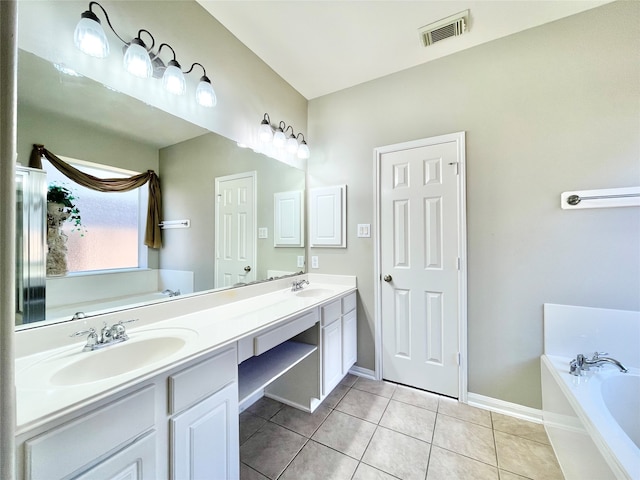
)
(203, 331)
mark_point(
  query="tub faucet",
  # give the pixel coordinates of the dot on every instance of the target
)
(171, 293)
(581, 363)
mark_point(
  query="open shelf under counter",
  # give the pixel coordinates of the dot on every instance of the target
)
(255, 373)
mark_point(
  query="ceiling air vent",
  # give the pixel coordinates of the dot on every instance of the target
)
(445, 28)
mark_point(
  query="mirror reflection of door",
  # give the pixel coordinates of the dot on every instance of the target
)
(235, 236)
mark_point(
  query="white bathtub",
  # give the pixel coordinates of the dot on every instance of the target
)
(593, 421)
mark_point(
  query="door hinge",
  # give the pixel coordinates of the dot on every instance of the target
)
(459, 358)
(459, 263)
(457, 164)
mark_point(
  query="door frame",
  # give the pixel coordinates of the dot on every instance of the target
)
(216, 217)
(459, 139)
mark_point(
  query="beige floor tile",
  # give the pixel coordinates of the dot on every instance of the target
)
(446, 465)
(349, 380)
(416, 397)
(384, 389)
(453, 408)
(346, 434)
(504, 475)
(520, 428)
(271, 449)
(363, 405)
(248, 473)
(336, 395)
(397, 454)
(410, 420)
(367, 472)
(300, 421)
(317, 462)
(465, 438)
(527, 457)
(265, 408)
(249, 424)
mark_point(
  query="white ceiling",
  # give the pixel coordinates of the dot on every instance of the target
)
(323, 46)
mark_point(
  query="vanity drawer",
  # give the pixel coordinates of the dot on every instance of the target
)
(275, 337)
(331, 312)
(64, 450)
(349, 303)
(199, 381)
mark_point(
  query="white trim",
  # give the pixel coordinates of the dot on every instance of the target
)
(505, 408)
(363, 372)
(459, 138)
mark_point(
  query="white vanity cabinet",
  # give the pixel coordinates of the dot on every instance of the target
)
(339, 340)
(101, 443)
(179, 424)
(204, 427)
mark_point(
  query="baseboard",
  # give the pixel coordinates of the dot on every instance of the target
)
(362, 372)
(505, 408)
(247, 402)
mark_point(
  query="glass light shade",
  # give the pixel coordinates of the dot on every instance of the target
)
(136, 59)
(303, 150)
(205, 94)
(279, 139)
(292, 145)
(89, 36)
(173, 79)
(265, 134)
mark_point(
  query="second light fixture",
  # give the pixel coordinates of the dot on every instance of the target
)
(277, 136)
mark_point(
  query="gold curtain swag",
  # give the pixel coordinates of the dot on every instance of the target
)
(152, 237)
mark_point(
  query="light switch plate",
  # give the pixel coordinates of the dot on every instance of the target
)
(263, 232)
(314, 262)
(364, 230)
(300, 261)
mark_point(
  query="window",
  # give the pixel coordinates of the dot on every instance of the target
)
(109, 237)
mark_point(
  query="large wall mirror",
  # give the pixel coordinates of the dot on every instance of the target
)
(80, 119)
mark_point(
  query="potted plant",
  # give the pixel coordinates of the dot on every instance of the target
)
(62, 201)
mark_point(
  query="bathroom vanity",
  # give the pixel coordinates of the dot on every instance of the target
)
(165, 403)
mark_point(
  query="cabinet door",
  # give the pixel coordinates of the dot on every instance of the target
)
(331, 356)
(135, 462)
(204, 439)
(349, 341)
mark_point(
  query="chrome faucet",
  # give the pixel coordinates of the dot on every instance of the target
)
(107, 336)
(171, 293)
(296, 286)
(581, 363)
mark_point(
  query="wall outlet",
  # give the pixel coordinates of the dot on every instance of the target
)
(263, 232)
(300, 261)
(314, 262)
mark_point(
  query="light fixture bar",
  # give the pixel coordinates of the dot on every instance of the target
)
(139, 60)
(277, 138)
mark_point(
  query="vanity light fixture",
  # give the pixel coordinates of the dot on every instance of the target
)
(277, 136)
(139, 59)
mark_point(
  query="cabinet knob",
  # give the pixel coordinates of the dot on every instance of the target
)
(387, 278)
(247, 269)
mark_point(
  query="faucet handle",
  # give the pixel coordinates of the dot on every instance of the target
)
(597, 355)
(91, 331)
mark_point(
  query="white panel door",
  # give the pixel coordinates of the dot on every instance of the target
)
(419, 267)
(235, 229)
(205, 438)
(331, 356)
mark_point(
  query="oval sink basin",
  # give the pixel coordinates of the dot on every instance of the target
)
(116, 360)
(314, 292)
(75, 367)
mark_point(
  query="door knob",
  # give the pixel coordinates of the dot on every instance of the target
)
(247, 269)
(387, 278)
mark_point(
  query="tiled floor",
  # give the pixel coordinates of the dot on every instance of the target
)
(379, 430)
